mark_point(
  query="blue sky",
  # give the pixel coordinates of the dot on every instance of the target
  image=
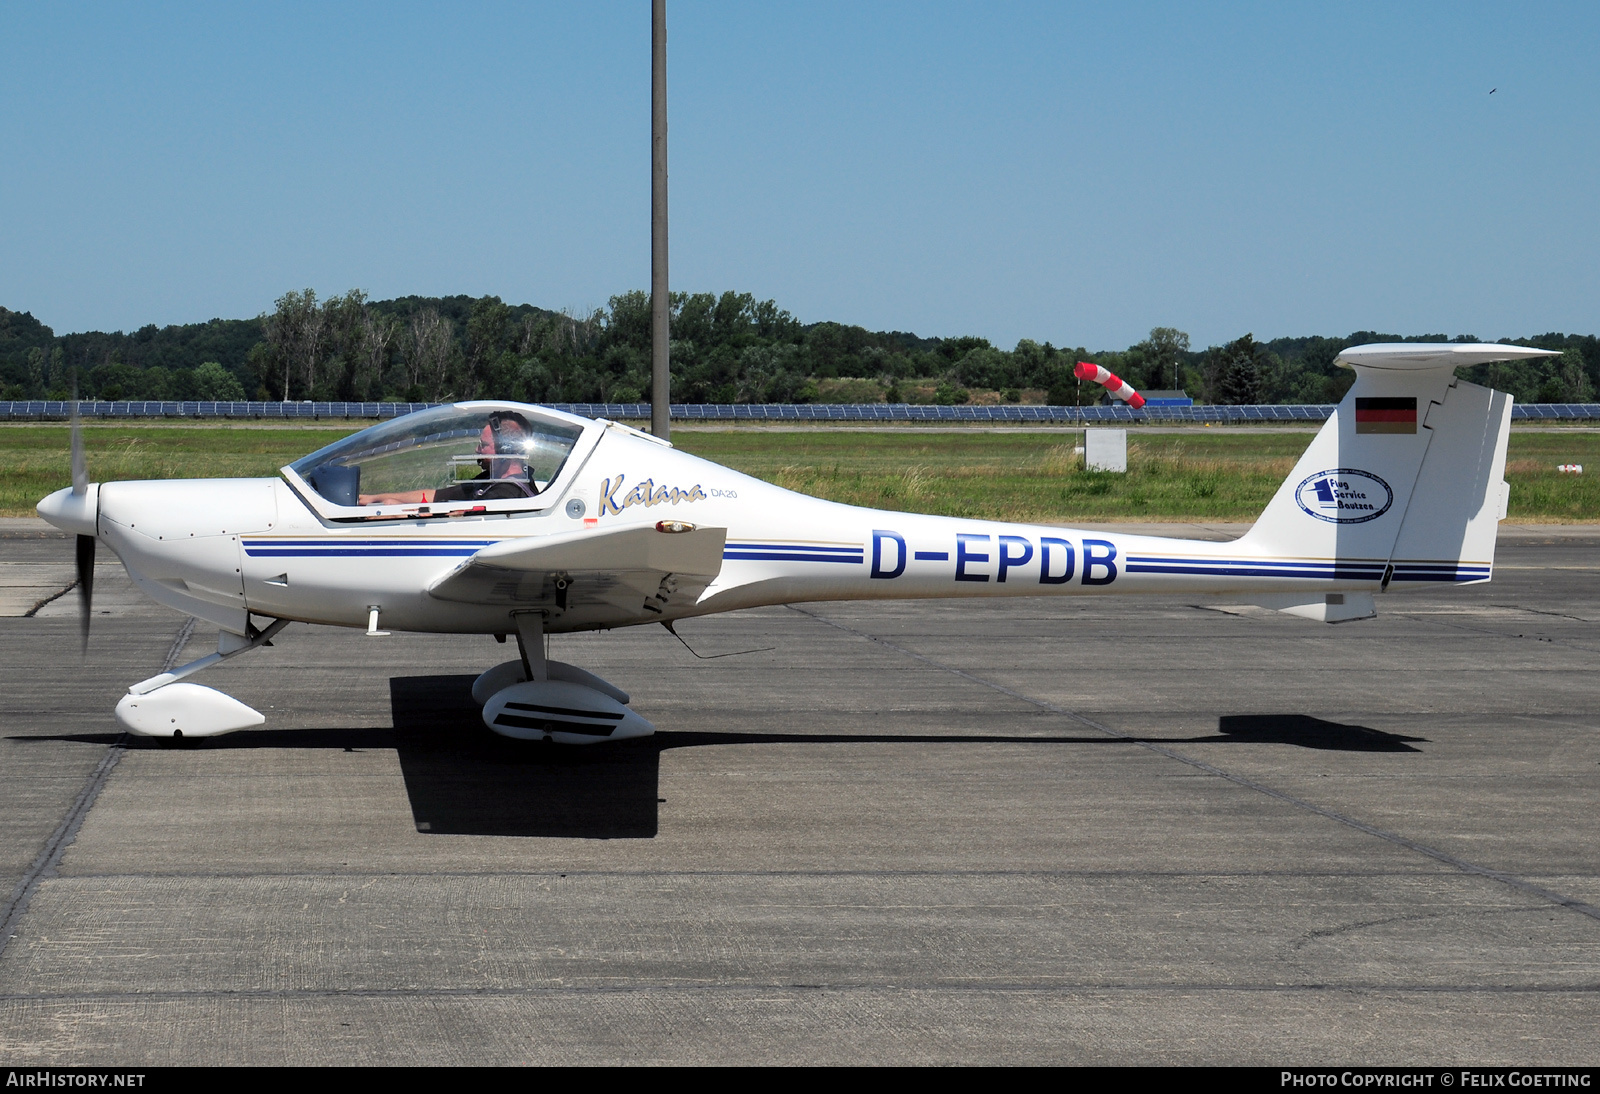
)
(1077, 173)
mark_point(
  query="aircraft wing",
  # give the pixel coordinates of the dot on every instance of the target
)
(601, 576)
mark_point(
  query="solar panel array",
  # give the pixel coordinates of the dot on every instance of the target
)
(41, 410)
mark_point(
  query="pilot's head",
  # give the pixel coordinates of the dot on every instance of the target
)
(506, 435)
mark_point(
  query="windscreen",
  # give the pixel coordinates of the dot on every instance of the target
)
(446, 454)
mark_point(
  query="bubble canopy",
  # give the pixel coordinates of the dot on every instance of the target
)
(495, 455)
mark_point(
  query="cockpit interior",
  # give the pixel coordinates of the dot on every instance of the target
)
(468, 453)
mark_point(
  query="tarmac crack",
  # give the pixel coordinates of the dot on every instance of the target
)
(51, 599)
(49, 858)
(1541, 611)
(1438, 855)
(1418, 917)
(573, 874)
(1427, 618)
(700, 987)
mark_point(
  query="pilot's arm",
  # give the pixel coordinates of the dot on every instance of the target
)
(408, 497)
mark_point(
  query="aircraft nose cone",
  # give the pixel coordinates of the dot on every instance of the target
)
(76, 513)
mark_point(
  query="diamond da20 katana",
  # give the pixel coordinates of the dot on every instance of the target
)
(508, 519)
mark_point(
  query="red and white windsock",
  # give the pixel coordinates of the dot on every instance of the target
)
(1119, 388)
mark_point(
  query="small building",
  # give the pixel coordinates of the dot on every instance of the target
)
(1167, 398)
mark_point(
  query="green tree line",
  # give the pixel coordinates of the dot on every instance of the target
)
(727, 348)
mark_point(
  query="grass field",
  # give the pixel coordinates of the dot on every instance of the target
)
(1193, 475)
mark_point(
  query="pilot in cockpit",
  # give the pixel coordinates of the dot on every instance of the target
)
(503, 465)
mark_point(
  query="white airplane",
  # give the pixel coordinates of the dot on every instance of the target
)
(508, 519)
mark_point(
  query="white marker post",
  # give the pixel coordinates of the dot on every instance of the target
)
(1105, 449)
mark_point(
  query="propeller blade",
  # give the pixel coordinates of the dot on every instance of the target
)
(80, 486)
(85, 585)
(80, 468)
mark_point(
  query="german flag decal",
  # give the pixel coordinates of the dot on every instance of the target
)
(1386, 415)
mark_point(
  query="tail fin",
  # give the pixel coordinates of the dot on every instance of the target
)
(1404, 482)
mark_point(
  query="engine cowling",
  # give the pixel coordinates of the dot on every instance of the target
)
(557, 710)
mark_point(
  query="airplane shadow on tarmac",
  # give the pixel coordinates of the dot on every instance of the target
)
(463, 780)
(1308, 732)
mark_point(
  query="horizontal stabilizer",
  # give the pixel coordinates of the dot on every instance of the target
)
(1428, 355)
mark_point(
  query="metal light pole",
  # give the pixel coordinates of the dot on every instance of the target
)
(660, 363)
